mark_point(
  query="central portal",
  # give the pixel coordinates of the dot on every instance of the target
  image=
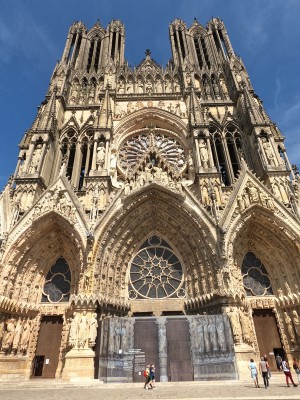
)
(183, 348)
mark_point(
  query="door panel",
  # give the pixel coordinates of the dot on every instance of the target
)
(267, 334)
(146, 339)
(48, 346)
(179, 355)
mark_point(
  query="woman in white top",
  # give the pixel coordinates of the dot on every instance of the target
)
(254, 373)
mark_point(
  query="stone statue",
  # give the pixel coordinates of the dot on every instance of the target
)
(245, 326)
(35, 159)
(207, 89)
(73, 334)
(221, 334)
(268, 152)
(82, 329)
(223, 87)
(213, 335)
(190, 160)
(100, 159)
(2, 325)
(93, 329)
(17, 336)
(8, 335)
(25, 336)
(216, 89)
(203, 153)
(200, 336)
(289, 326)
(253, 194)
(121, 86)
(235, 325)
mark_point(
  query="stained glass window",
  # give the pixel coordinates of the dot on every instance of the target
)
(255, 277)
(58, 283)
(155, 271)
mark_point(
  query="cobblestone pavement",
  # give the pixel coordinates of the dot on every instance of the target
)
(54, 390)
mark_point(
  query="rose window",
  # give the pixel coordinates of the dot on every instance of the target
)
(138, 147)
(58, 283)
(155, 272)
(255, 277)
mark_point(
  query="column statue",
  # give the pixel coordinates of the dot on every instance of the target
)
(93, 330)
(268, 152)
(203, 153)
(25, 336)
(100, 158)
(289, 326)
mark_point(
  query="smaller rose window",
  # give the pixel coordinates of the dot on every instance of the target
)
(58, 283)
(156, 272)
(255, 277)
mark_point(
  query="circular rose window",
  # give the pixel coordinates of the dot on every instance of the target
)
(155, 272)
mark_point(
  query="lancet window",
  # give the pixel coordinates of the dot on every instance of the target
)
(226, 149)
(86, 156)
(201, 50)
(68, 150)
(155, 271)
(94, 54)
(75, 47)
(255, 277)
(58, 283)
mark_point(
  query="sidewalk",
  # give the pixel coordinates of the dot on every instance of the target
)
(38, 389)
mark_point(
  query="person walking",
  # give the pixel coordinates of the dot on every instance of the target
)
(296, 368)
(268, 366)
(278, 360)
(263, 369)
(147, 377)
(152, 376)
(287, 372)
(254, 372)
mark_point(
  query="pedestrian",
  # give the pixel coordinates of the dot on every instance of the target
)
(152, 376)
(263, 369)
(268, 366)
(278, 360)
(147, 377)
(287, 372)
(296, 368)
(254, 373)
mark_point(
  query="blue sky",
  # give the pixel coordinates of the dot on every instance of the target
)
(265, 33)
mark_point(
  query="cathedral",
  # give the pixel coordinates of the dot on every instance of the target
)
(153, 217)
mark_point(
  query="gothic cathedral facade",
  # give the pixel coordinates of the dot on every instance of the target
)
(157, 196)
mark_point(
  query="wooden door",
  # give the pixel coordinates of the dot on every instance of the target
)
(179, 354)
(48, 346)
(267, 335)
(146, 339)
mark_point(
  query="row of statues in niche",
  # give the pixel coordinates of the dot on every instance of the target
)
(208, 335)
(14, 335)
(83, 330)
(242, 326)
(151, 173)
(34, 163)
(211, 88)
(269, 153)
(177, 108)
(59, 202)
(251, 195)
(148, 85)
(84, 93)
(293, 326)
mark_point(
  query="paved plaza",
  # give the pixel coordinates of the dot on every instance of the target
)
(53, 389)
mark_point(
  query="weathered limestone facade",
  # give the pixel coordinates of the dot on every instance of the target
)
(147, 191)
